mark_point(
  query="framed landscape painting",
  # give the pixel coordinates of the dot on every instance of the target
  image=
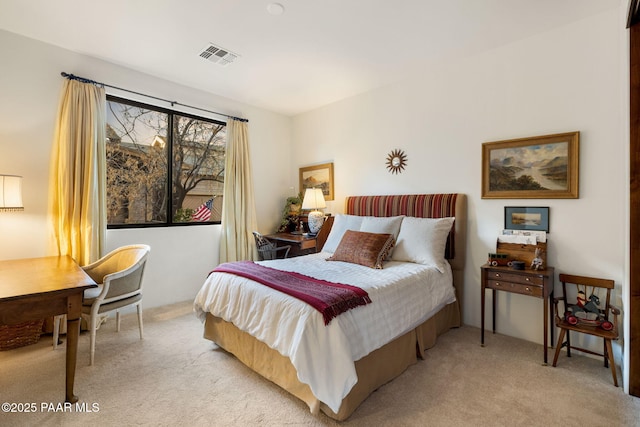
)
(539, 167)
(319, 176)
(526, 218)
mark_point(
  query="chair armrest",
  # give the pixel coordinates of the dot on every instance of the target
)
(273, 251)
(102, 271)
(279, 248)
(97, 270)
(615, 311)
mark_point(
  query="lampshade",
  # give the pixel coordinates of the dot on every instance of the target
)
(11, 193)
(313, 199)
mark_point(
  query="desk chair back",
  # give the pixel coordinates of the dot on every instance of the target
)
(268, 249)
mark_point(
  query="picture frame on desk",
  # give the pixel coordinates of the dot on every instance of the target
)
(526, 218)
(318, 176)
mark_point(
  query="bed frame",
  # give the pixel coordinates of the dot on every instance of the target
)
(389, 361)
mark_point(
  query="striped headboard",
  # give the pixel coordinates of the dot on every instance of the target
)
(417, 205)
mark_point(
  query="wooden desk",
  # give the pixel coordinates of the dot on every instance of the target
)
(300, 245)
(37, 288)
(536, 283)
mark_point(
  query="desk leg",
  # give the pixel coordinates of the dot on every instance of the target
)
(482, 316)
(546, 328)
(73, 331)
(551, 319)
(493, 310)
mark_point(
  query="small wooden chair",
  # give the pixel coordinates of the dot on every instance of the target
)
(583, 322)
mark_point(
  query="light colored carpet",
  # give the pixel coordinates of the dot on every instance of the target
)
(176, 377)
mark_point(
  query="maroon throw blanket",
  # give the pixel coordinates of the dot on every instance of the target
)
(328, 298)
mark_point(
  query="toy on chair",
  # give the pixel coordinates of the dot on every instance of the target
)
(593, 305)
(587, 312)
(582, 299)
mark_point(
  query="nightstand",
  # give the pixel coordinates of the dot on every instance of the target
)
(535, 283)
(300, 244)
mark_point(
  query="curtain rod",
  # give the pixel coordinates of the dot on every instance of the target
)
(85, 80)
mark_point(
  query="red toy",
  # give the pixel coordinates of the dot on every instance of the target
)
(496, 259)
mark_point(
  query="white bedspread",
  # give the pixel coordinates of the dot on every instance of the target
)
(403, 296)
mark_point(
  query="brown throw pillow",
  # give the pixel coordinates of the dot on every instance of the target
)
(360, 247)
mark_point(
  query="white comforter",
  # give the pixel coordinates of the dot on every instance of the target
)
(403, 296)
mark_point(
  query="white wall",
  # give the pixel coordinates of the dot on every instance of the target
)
(30, 84)
(565, 80)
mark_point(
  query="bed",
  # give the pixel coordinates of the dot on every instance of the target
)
(334, 366)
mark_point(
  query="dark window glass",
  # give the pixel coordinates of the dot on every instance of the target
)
(160, 177)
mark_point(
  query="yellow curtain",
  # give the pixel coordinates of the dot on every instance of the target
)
(77, 194)
(238, 205)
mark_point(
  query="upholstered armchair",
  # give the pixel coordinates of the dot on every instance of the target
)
(119, 277)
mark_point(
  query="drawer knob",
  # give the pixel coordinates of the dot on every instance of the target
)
(527, 279)
(497, 283)
(528, 289)
(497, 274)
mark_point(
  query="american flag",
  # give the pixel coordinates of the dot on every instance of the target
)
(203, 213)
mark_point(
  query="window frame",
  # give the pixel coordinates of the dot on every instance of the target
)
(170, 113)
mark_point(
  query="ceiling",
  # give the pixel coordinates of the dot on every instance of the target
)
(315, 53)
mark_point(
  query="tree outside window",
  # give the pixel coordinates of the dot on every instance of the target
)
(163, 167)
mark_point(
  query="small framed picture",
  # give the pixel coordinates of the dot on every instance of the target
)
(526, 218)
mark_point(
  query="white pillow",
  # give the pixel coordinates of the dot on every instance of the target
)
(382, 225)
(423, 241)
(341, 223)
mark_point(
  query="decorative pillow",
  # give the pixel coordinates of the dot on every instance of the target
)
(341, 223)
(389, 225)
(423, 241)
(359, 247)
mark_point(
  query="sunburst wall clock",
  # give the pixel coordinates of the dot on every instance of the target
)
(396, 161)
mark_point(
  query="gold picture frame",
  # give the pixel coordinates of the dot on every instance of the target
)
(318, 176)
(539, 167)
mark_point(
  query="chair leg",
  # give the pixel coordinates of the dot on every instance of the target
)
(139, 307)
(93, 326)
(117, 320)
(605, 351)
(568, 344)
(558, 347)
(612, 362)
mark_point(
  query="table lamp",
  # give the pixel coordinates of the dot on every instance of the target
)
(314, 200)
(11, 193)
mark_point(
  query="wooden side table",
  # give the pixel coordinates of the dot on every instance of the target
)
(535, 283)
(300, 244)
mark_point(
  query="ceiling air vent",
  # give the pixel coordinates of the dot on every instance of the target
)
(218, 55)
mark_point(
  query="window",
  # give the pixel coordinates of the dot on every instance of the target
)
(163, 167)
